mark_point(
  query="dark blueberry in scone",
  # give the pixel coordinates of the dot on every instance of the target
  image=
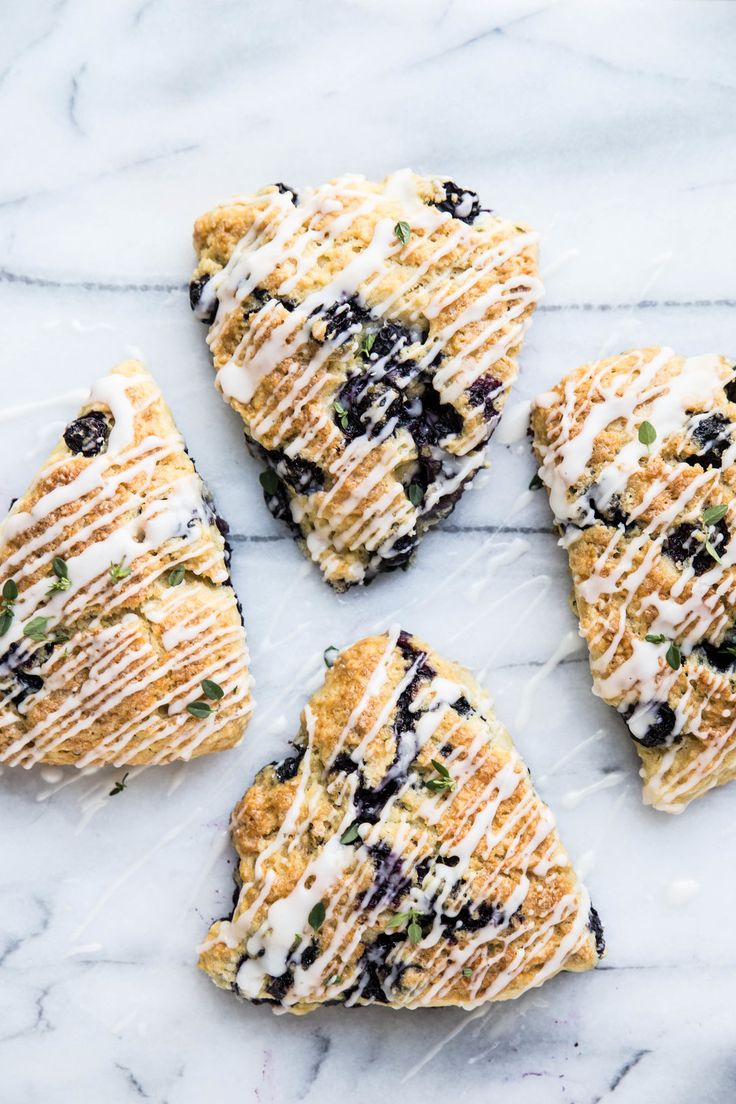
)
(651, 723)
(712, 435)
(685, 542)
(594, 923)
(344, 319)
(483, 391)
(612, 513)
(203, 304)
(722, 657)
(286, 769)
(88, 434)
(459, 202)
(29, 684)
(286, 189)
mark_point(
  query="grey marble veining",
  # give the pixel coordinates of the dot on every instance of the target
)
(610, 127)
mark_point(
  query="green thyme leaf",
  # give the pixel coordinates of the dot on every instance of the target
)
(535, 483)
(350, 835)
(199, 709)
(119, 785)
(647, 434)
(709, 548)
(414, 932)
(60, 584)
(713, 514)
(176, 576)
(655, 638)
(36, 628)
(402, 230)
(367, 343)
(397, 920)
(297, 939)
(334, 979)
(316, 916)
(728, 649)
(212, 690)
(445, 780)
(415, 494)
(60, 569)
(441, 768)
(6, 619)
(674, 657)
(119, 571)
(269, 481)
(342, 414)
(330, 655)
(467, 971)
(10, 590)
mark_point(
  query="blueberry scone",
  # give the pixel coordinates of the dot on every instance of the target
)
(121, 639)
(638, 453)
(367, 334)
(400, 855)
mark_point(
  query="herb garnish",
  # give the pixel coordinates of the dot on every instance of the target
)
(119, 571)
(176, 576)
(36, 628)
(212, 690)
(334, 979)
(367, 343)
(673, 654)
(402, 230)
(445, 780)
(316, 916)
(61, 571)
(413, 927)
(330, 655)
(269, 481)
(199, 709)
(710, 549)
(350, 834)
(647, 434)
(713, 514)
(467, 971)
(342, 414)
(10, 593)
(415, 494)
(120, 785)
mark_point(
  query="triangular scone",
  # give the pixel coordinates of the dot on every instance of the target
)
(401, 855)
(639, 456)
(117, 600)
(367, 333)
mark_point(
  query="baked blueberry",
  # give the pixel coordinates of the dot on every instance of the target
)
(651, 723)
(712, 435)
(88, 434)
(203, 304)
(459, 202)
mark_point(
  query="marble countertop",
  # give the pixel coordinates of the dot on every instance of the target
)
(610, 128)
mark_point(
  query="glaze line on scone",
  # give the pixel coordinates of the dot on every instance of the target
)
(400, 855)
(367, 334)
(639, 457)
(102, 648)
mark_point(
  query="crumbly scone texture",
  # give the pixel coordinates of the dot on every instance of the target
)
(368, 335)
(638, 453)
(116, 596)
(400, 856)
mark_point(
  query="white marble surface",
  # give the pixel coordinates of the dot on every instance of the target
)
(611, 128)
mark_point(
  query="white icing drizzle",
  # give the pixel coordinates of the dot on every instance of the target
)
(353, 525)
(483, 843)
(118, 508)
(681, 711)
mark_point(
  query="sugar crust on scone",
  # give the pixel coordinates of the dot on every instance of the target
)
(400, 855)
(117, 601)
(367, 333)
(638, 454)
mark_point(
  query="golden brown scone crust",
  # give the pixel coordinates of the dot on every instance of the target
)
(648, 529)
(437, 888)
(368, 334)
(96, 669)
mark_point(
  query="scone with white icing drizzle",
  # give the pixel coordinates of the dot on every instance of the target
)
(400, 856)
(121, 639)
(638, 453)
(367, 334)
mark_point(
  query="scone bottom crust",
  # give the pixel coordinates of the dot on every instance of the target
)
(121, 638)
(399, 855)
(638, 453)
(368, 334)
